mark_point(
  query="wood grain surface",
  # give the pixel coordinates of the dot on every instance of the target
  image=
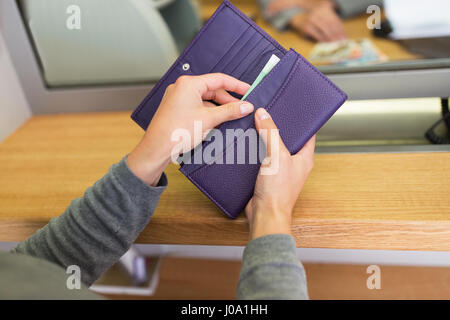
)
(358, 201)
(217, 279)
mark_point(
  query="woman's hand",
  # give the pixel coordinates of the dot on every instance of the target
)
(318, 21)
(270, 209)
(321, 23)
(184, 103)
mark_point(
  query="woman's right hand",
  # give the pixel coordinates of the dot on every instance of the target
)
(270, 209)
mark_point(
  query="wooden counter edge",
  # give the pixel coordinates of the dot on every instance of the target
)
(309, 233)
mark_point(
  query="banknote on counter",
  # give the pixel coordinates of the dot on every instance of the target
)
(347, 53)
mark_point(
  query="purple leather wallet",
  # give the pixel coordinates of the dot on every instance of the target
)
(299, 98)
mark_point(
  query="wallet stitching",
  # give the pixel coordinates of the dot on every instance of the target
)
(177, 62)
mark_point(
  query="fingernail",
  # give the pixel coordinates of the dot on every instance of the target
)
(246, 108)
(263, 114)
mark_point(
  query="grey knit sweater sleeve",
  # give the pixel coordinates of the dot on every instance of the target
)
(272, 270)
(345, 8)
(97, 229)
(349, 8)
(280, 20)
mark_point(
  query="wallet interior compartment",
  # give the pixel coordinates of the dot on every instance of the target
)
(231, 55)
(251, 71)
(261, 97)
(263, 94)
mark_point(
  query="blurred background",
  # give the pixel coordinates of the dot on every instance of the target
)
(105, 55)
(391, 57)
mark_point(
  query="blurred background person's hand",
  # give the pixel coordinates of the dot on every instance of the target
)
(320, 23)
(316, 19)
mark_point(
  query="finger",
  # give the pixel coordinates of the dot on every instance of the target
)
(272, 8)
(325, 29)
(313, 32)
(229, 111)
(338, 33)
(341, 30)
(268, 131)
(220, 96)
(209, 104)
(336, 27)
(215, 81)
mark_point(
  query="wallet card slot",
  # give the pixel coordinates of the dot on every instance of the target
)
(255, 68)
(263, 95)
(249, 58)
(255, 26)
(221, 31)
(216, 38)
(232, 52)
(249, 45)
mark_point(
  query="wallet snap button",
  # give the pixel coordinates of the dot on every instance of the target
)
(186, 66)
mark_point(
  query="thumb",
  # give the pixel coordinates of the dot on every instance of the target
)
(230, 111)
(268, 130)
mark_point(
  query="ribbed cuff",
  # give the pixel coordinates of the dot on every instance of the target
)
(347, 9)
(271, 248)
(281, 20)
(135, 185)
(272, 270)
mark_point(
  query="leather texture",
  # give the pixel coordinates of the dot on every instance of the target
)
(299, 98)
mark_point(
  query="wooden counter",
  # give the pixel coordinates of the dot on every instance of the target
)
(358, 201)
